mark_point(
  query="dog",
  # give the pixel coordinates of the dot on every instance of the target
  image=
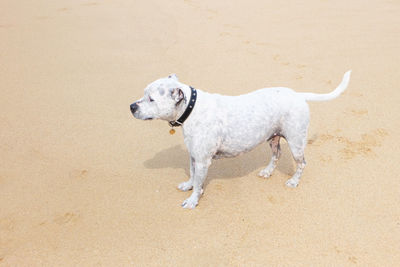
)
(218, 126)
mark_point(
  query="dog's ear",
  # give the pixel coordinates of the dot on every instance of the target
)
(173, 76)
(177, 94)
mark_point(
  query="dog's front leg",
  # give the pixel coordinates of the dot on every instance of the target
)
(188, 185)
(200, 174)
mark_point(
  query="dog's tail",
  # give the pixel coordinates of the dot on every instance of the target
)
(332, 95)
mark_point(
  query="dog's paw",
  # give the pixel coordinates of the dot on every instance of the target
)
(185, 186)
(266, 173)
(191, 202)
(292, 183)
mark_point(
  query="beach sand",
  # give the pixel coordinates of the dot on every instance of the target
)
(84, 183)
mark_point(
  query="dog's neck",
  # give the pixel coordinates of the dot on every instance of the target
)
(184, 104)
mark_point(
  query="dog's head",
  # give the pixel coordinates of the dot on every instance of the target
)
(161, 100)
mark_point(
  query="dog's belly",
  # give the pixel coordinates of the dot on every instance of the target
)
(234, 147)
(224, 152)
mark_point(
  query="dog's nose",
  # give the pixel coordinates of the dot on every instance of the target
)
(134, 107)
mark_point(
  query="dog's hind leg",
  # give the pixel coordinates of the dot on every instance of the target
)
(276, 152)
(297, 145)
(295, 132)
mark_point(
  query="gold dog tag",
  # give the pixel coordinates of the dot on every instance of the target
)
(171, 132)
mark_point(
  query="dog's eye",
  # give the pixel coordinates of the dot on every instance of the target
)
(151, 99)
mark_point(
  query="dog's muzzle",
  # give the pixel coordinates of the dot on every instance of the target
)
(134, 108)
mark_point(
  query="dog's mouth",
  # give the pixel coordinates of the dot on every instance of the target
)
(139, 116)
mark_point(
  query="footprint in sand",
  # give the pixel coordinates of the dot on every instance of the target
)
(355, 94)
(362, 147)
(219, 187)
(66, 218)
(278, 58)
(365, 146)
(271, 199)
(275, 200)
(350, 257)
(312, 139)
(79, 174)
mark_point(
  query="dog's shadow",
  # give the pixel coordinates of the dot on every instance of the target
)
(177, 157)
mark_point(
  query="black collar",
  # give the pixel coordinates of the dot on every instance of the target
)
(189, 108)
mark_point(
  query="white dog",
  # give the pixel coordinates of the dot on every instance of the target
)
(216, 126)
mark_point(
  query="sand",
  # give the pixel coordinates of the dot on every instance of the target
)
(84, 183)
